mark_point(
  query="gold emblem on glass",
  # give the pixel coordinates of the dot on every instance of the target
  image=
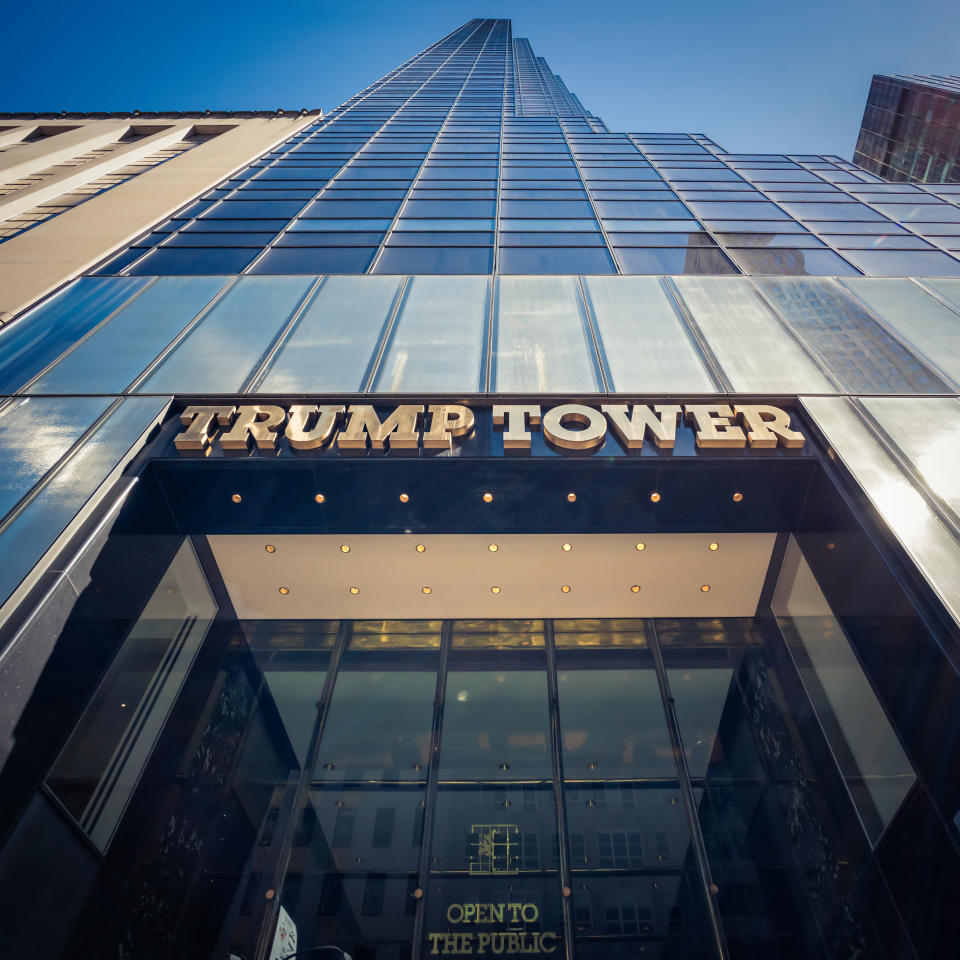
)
(493, 849)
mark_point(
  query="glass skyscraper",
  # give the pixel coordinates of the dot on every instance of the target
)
(910, 130)
(467, 531)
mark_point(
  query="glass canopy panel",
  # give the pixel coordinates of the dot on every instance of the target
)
(439, 339)
(226, 346)
(925, 323)
(927, 430)
(923, 535)
(645, 346)
(540, 337)
(34, 530)
(859, 352)
(38, 338)
(755, 352)
(331, 346)
(34, 434)
(117, 351)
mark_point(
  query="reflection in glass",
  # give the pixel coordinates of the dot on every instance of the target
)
(645, 345)
(98, 770)
(495, 718)
(756, 353)
(381, 713)
(224, 349)
(874, 765)
(860, 353)
(439, 338)
(333, 342)
(541, 343)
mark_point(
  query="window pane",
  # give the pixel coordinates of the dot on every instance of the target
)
(659, 260)
(787, 262)
(332, 344)
(226, 346)
(114, 354)
(541, 343)
(905, 263)
(555, 260)
(315, 260)
(438, 341)
(645, 345)
(410, 259)
(756, 353)
(171, 261)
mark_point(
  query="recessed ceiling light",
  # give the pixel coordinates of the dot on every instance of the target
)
(654, 497)
(714, 547)
(493, 548)
(641, 546)
(344, 547)
(565, 588)
(737, 497)
(572, 497)
(284, 590)
(426, 590)
(831, 546)
(705, 588)
(494, 589)
(487, 497)
(320, 498)
(635, 588)
(567, 547)
(420, 548)
(354, 590)
(404, 497)
(270, 548)
(236, 498)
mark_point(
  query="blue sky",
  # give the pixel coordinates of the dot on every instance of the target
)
(757, 76)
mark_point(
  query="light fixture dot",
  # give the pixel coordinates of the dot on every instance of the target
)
(737, 497)
(567, 547)
(572, 497)
(320, 498)
(705, 588)
(284, 591)
(426, 590)
(635, 588)
(404, 497)
(354, 590)
(344, 547)
(493, 548)
(714, 547)
(641, 546)
(654, 497)
(236, 498)
(565, 588)
(494, 589)
(831, 546)
(488, 498)
(270, 548)
(420, 548)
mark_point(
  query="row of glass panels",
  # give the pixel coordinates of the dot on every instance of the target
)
(468, 335)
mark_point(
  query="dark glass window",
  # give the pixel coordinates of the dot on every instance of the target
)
(315, 260)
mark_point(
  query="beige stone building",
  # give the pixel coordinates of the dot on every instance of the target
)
(76, 187)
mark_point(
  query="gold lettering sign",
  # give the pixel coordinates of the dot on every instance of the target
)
(574, 427)
(517, 938)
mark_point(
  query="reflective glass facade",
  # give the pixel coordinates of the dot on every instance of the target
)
(354, 662)
(909, 131)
